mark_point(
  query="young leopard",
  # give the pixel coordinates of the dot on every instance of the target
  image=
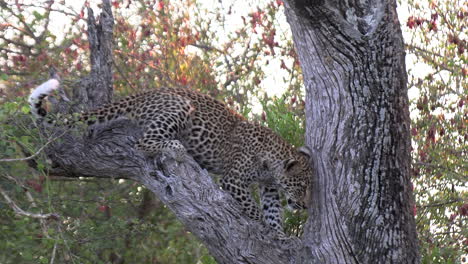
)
(184, 121)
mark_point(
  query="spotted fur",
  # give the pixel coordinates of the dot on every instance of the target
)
(184, 121)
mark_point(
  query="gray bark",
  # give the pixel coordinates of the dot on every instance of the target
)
(97, 88)
(352, 57)
(357, 121)
(208, 212)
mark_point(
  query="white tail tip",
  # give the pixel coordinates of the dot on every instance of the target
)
(41, 92)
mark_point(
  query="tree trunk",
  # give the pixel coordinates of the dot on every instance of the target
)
(357, 116)
(97, 88)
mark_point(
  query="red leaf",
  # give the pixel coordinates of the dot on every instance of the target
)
(283, 65)
(422, 155)
(431, 134)
(463, 210)
(411, 21)
(160, 5)
(183, 80)
(461, 15)
(35, 185)
(442, 132)
(256, 18)
(293, 100)
(452, 217)
(257, 81)
(461, 48)
(419, 21)
(103, 208)
(433, 26)
(452, 39)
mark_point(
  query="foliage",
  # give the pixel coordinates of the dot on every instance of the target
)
(169, 43)
(438, 45)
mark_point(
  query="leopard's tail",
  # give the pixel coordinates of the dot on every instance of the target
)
(39, 94)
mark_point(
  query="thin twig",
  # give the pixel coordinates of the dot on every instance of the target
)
(31, 200)
(20, 211)
(41, 37)
(37, 152)
(441, 203)
(27, 28)
(21, 44)
(52, 258)
(123, 75)
(207, 48)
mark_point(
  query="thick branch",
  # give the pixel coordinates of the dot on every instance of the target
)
(97, 88)
(197, 201)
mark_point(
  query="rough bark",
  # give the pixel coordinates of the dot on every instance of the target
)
(352, 57)
(357, 121)
(208, 212)
(96, 88)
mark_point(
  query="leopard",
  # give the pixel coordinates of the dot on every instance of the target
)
(184, 121)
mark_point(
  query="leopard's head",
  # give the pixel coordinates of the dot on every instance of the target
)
(297, 179)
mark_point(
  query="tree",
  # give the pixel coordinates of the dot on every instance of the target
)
(353, 67)
(352, 58)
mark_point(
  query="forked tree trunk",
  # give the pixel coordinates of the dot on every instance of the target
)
(357, 117)
(357, 122)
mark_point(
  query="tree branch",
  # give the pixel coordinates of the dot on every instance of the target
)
(197, 201)
(20, 211)
(37, 152)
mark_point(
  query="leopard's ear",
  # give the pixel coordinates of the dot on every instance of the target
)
(304, 150)
(289, 164)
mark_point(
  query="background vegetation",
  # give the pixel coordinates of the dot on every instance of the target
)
(242, 56)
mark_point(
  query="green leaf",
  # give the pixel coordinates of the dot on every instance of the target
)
(25, 109)
(37, 15)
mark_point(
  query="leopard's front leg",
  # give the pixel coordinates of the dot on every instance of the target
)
(271, 206)
(240, 190)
